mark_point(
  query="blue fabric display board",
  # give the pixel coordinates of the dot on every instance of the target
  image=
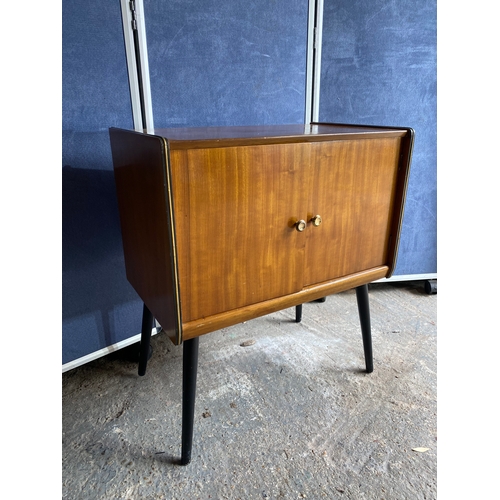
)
(227, 63)
(99, 307)
(211, 63)
(379, 68)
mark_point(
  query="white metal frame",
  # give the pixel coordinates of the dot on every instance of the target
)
(313, 60)
(409, 277)
(133, 70)
(107, 350)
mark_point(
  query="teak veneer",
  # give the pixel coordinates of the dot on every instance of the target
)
(224, 224)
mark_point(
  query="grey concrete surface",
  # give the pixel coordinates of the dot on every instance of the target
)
(291, 416)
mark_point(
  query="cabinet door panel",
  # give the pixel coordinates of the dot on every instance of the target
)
(353, 185)
(234, 209)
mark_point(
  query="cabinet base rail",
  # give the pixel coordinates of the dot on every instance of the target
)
(190, 363)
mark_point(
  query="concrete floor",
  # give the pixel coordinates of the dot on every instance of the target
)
(291, 416)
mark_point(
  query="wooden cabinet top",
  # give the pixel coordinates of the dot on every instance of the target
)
(203, 137)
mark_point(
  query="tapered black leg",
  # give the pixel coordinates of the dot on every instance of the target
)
(147, 326)
(298, 310)
(298, 313)
(364, 318)
(189, 371)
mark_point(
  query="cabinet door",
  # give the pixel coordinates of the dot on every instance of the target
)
(235, 209)
(353, 183)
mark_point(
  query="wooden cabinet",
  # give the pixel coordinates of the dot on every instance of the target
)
(221, 225)
(209, 216)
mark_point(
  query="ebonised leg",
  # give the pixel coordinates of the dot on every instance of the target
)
(189, 371)
(298, 313)
(364, 318)
(147, 326)
(298, 310)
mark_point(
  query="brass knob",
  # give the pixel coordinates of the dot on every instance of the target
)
(300, 225)
(317, 220)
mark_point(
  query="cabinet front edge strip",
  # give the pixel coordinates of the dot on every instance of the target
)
(175, 273)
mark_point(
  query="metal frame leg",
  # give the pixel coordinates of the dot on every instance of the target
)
(189, 372)
(147, 326)
(364, 318)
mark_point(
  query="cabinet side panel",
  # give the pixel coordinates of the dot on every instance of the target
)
(235, 211)
(142, 184)
(405, 158)
(353, 191)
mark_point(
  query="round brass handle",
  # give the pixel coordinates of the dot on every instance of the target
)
(300, 225)
(317, 220)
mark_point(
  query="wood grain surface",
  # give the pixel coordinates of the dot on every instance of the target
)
(235, 208)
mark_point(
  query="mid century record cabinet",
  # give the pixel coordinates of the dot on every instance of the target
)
(224, 224)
